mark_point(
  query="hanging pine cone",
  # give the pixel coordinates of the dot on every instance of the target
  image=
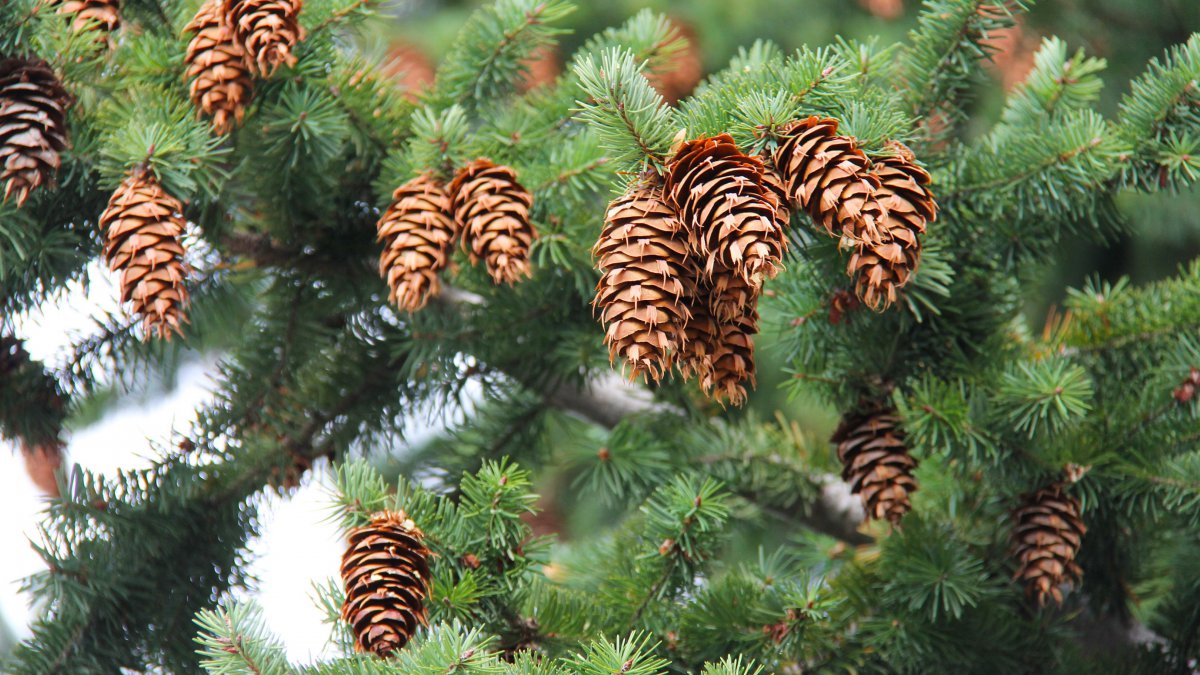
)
(884, 264)
(1047, 533)
(33, 126)
(88, 15)
(142, 227)
(268, 31)
(418, 236)
(720, 197)
(876, 462)
(776, 193)
(386, 577)
(828, 177)
(493, 210)
(216, 64)
(700, 330)
(1186, 390)
(732, 358)
(642, 293)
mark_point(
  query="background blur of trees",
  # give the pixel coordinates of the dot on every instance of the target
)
(1163, 232)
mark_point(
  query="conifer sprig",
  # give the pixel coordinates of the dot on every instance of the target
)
(630, 119)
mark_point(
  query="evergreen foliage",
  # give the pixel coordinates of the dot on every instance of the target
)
(704, 540)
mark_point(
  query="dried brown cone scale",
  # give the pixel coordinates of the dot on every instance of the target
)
(33, 126)
(418, 235)
(102, 15)
(642, 294)
(876, 462)
(385, 573)
(829, 177)
(492, 209)
(141, 228)
(882, 266)
(268, 31)
(1047, 534)
(719, 193)
(221, 84)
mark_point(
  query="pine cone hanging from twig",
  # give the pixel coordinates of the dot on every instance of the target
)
(268, 31)
(876, 462)
(493, 210)
(221, 85)
(1047, 534)
(385, 573)
(33, 126)
(103, 16)
(142, 227)
(418, 235)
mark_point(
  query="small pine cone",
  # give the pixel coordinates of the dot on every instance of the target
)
(700, 330)
(730, 296)
(42, 462)
(883, 265)
(1047, 533)
(732, 359)
(385, 573)
(642, 293)
(418, 234)
(1186, 390)
(719, 193)
(142, 227)
(101, 15)
(493, 210)
(268, 31)
(33, 126)
(876, 462)
(828, 177)
(216, 64)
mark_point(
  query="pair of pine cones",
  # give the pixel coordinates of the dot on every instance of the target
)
(484, 204)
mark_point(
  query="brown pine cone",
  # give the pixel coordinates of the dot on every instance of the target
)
(877, 465)
(98, 15)
(418, 234)
(385, 573)
(732, 358)
(700, 330)
(142, 227)
(776, 193)
(268, 31)
(643, 292)
(1047, 533)
(829, 177)
(33, 126)
(719, 193)
(216, 64)
(882, 266)
(493, 210)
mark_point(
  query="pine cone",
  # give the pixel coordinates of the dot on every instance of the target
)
(720, 197)
(86, 15)
(883, 265)
(1047, 533)
(493, 210)
(642, 293)
(142, 227)
(732, 358)
(216, 64)
(267, 30)
(33, 125)
(828, 177)
(418, 234)
(700, 330)
(870, 444)
(776, 193)
(386, 576)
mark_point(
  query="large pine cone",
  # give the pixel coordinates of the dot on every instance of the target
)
(142, 227)
(33, 126)
(386, 577)
(718, 191)
(829, 177)
(493, 210)
(642, 293)
(1047, 533)
(102, 15)
(216, 64)
(418, 236)
(876, 462)
(268, 31)
(883, 265)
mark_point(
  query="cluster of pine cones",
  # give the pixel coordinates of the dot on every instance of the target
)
(484, 203)
(235, 41)
(684, 255)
